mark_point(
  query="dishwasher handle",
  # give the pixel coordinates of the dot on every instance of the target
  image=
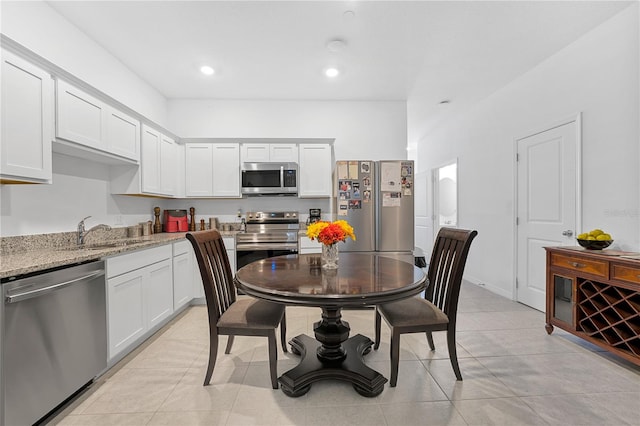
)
(13, 298)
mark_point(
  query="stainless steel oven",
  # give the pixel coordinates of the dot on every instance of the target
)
(267, 234)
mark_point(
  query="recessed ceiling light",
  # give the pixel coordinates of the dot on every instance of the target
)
(336, 45)
(207, 70)
(332, 72)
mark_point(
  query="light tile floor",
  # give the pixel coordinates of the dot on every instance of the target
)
(514, 373)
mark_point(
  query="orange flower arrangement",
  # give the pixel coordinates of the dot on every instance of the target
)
(329, 233)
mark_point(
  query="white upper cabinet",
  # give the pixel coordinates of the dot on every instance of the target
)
(158, 162)
(150, 146)
(157, 174)
(226, 170)
(314, 171)
(212, 170)
(81, 117)
(123, 134)
(27, 122)
(89, 122)
(198, 169)
(283, 153)
(269, 153)
(168, 165)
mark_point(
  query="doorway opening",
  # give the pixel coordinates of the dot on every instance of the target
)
(445, 196)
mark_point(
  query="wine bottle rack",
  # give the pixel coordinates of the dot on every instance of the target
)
(600, 298)
(611, 314)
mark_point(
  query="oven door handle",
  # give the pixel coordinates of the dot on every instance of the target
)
(266, 246)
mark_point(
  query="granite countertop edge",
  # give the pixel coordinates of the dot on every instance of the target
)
(15, 264)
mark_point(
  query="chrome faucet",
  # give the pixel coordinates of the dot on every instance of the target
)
(82, 234)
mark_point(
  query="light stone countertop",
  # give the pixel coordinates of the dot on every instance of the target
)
(29, 260)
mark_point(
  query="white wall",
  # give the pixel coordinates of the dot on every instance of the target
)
(362, 130)
(79, 189)
(42, 30)
(597, 75)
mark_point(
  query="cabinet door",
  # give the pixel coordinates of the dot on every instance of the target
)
(123, 134)
(168, 165)
(226, 170)
(315, 167)
(126, 310)
(27, 121)
(81, 117)
(308, 246)
(230, 247)
(283, 153)
(182, 280)
(159, 292)
(255, 152)
(150, 160)
(198, 289)
(564, 306)
(199, 170)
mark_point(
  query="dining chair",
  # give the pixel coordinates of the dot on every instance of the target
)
(436, 311)
(229, 315)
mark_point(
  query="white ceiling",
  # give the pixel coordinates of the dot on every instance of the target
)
(277, 49)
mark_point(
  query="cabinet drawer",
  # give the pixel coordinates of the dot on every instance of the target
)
(579, 264)
(625, 273)
(135, 260)
(181, 247)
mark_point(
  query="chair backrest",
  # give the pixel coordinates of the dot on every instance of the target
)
(215, 271)
(446, 268)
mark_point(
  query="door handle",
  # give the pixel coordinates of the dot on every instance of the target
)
(12, 298)
(567, 233)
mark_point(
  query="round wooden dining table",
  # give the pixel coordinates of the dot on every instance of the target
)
(361, 280)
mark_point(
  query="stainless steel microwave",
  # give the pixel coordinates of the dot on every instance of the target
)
(269, 179)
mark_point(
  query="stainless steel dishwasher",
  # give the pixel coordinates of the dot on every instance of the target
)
(54, 339)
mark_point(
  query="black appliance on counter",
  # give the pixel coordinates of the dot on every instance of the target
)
(314, 216)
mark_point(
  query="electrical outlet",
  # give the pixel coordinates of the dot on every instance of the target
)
(239, 214)
(119, 220)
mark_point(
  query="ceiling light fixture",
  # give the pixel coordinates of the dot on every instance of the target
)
(332, 72)
(207, 70)
(336, 45)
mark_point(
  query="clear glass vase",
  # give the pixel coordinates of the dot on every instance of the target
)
(330, 256)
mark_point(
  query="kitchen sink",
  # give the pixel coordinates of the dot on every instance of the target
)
(104, 245)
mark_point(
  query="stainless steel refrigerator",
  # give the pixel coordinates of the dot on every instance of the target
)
(377, 199)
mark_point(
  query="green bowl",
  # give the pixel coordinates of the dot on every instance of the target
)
(595, 244)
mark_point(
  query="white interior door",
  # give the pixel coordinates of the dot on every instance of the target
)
(547, 213)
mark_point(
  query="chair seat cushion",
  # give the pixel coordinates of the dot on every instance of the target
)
(414, 311)
(252, 313)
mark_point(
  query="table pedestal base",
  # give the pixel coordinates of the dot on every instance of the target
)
(366, 381)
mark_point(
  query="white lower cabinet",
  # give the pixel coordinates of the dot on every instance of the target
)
(230, 246)
(308, 246)
(139, 295)
(159, 295)
(184, 270)
(126, 310)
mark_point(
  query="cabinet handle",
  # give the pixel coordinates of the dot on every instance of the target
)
(577, 265)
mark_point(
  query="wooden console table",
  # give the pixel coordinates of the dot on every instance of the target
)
(596, 296)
